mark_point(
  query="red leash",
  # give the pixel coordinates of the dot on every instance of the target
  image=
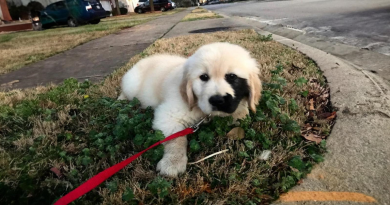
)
(102, 176)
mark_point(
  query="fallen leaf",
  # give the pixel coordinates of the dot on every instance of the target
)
(56, 171)
(311, 104)
(313, 137)
(332, 116)
(324, 115)
(205, 188)
(300, 182)
(236, 133)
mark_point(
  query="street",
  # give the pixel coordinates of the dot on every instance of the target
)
(361, 23)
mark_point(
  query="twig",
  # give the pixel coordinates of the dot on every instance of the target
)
(220, 152)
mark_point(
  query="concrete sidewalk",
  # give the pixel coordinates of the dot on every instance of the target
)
(357, 165)
(96, 59)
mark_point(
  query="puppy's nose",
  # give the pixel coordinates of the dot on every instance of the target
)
(216, 100)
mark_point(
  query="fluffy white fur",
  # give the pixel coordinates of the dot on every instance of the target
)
(171, 85)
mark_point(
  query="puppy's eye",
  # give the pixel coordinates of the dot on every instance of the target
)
(230, 76)
(204, 77)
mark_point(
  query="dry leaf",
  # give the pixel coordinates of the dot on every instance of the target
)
(324, 115)
(300, 182)
(311, 104)
(332, 116)
(56, 171)
(205, 188)
(236, 133)
(313, 137)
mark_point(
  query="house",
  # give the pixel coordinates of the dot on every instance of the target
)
(129, 4)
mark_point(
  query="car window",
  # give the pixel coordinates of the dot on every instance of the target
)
(51, 7)
(60, 5)
(143, 0)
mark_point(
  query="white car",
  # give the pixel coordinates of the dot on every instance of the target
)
(140, 2)
(173, 4)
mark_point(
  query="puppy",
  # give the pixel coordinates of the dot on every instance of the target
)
(220, 79)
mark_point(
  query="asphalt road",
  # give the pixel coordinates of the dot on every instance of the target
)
(361, 23)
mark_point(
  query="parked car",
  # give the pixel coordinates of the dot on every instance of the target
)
(140, 2)
(162, 5)
(71, 12)
(173, 4)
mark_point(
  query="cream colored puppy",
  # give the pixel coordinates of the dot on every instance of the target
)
(220, 79)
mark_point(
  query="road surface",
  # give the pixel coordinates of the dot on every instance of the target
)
(361, 23)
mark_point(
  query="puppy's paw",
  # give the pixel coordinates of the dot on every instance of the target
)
(172, 165)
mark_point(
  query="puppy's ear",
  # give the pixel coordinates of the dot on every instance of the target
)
(186, 92)
(255, 90)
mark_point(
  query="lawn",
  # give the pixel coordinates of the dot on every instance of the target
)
(52, 139)
(200, 14)
(22, 48)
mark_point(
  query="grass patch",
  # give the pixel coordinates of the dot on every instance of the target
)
(200, 14)
(22, 48)
(81, 129)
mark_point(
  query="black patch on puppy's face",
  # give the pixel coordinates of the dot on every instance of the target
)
(241, 91)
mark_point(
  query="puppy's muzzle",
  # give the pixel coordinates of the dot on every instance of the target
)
(216, 100)
(221, 103)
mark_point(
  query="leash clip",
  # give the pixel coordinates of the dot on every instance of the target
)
(195, 127)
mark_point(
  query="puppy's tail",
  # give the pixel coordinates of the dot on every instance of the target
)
(122, 97)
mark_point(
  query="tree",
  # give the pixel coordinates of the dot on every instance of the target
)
(115, 10)
(151, 6)
(4, 11)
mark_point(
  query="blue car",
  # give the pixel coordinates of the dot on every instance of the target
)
(70, 12)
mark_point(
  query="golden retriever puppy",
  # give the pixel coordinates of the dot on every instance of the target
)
(220, 79)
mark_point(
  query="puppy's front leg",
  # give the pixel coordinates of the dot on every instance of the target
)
(168, 118)
(175, 158)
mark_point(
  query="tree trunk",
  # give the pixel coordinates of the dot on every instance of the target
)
(4, 10)
(151, 6)
(117, 7)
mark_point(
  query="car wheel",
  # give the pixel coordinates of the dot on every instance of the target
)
(163, 9)
(37, 26)
(139, 11)
(96, 21)
(72, 22)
